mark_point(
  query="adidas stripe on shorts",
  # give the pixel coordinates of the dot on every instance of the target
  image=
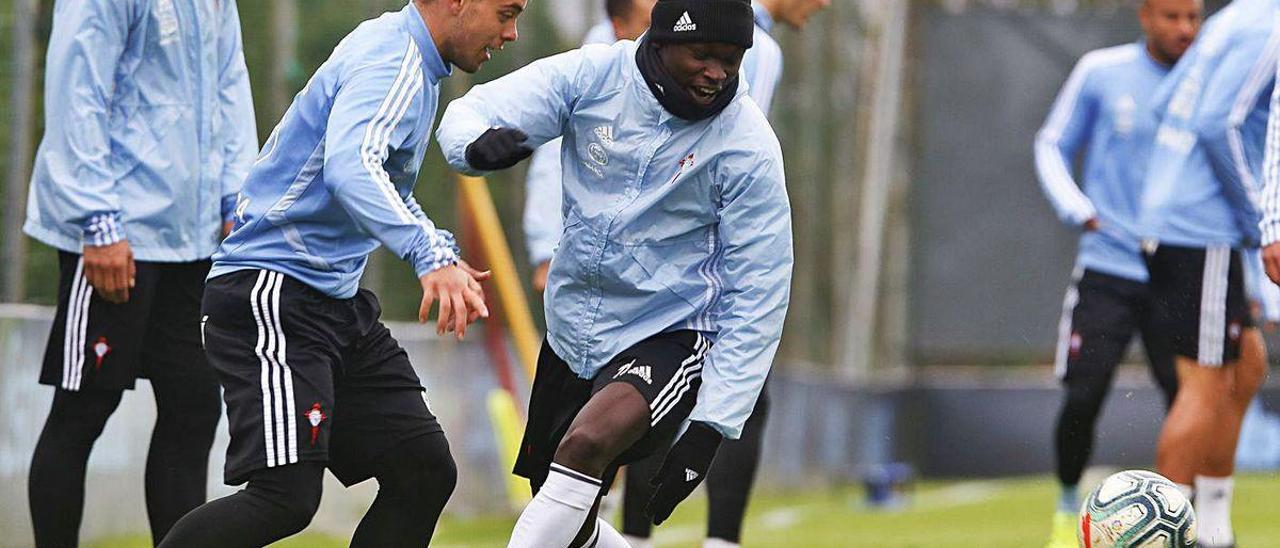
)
(1198, 300)
(667, 370)
(307, 377)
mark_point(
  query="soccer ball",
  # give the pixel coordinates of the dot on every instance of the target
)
(1137, 509)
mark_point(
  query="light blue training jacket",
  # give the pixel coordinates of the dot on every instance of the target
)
(336, 177)
(1202, 185)
(149, 127)
(1104, 109)
(670, 224)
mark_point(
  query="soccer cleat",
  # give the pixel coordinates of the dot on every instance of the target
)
(1064, 531)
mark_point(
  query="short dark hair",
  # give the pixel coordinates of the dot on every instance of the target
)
(619, 9)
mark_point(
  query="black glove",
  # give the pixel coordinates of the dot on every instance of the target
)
(686, 464)
(498, 148)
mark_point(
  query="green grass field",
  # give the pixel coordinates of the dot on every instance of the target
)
(993, 514)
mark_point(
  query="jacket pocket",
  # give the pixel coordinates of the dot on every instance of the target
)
(683, 266)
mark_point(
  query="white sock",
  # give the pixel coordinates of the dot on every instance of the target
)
(554, 516)
(608, 537)
(1213, 510)
(638, 542)
(719, 543)
(1187, 491)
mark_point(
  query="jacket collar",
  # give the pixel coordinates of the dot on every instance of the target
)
(650, 103)
(763, 19)
(433, 64)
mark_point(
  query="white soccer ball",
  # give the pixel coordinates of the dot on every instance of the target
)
(1137, 509)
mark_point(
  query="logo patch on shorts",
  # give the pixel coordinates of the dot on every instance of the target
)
(643, 371)
(1234, 331)
(100, 349)
(1077, 342)
(315, 416)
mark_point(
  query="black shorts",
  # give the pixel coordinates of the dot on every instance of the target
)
(1100, 314)
(97, 345)
(1199, 301)
(667, 370)
(307, 377)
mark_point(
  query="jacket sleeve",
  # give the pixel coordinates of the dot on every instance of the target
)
(1270, 225)
(1066, 130)
(238, 130)
(755, 230)
(373, 114)
(536, 99)
(1223, 121)
(85, 47)
(543, 203)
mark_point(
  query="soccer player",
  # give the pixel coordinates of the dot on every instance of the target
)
(1198, 211)
(733, 473)
(310, 375)
(666, 296)
(149, 132)
(1104, 110)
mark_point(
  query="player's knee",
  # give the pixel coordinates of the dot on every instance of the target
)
(585, 449)
(421, 471)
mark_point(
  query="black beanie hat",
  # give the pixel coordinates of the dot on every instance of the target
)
(684, 21)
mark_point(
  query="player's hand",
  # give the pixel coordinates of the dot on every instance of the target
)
(498, 148)
(460, 295)
(110, 270)
(227, 227)
(1271, 261)
(1092, 225)
(479, 277)
(539, 280)
(684, 468)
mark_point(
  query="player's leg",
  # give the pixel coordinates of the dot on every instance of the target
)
(1099, 318)
(1214, 485)
(415, 480)
(1199, 302)
(383, 429)
(731, 478)
(91, 357)
(635, 407)
(55, 486)
(274, 345)
(276, 503)
(188, 403)
(635, 496)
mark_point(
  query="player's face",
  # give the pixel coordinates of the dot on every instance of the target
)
(796, 13)
(481, 27)
(636, 22)
(1171, 26)
(702, 68)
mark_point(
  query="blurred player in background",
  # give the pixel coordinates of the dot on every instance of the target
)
(1104, 110)
(311, 376)
(690, 243)
(1198, 212)
(149, 132)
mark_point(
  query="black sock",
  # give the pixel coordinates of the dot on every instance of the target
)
(415, 480)
(732, 476)
(1074, 436)
(277, 502)
(187, 413)
(55, 487)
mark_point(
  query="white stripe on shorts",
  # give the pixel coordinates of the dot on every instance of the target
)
(1213, 305)
(690, 369)
(74, 327)
(1069, 303)
(268, 425)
